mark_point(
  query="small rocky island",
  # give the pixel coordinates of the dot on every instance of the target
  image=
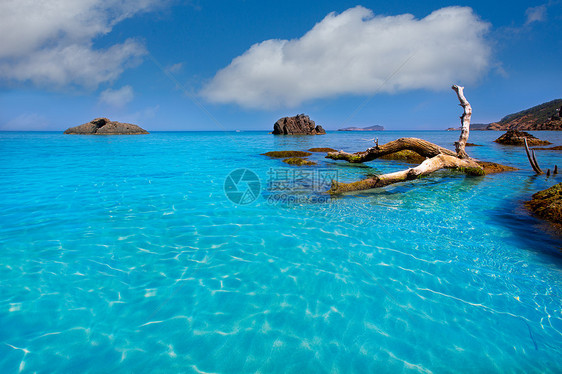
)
(103, 126)
(514, 137)
(300, 124)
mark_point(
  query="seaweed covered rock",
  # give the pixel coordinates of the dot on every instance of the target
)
(299, 161)
(300, 124)
(286, 154)
(547, 204)
(514, 137)
(405, 156)
(556, 148)
(492, 167)
(103, 126)
(325, 149)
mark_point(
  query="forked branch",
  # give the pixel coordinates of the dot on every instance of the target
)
(429, 166)
(437, 157)
(532, 158)
(465, 122)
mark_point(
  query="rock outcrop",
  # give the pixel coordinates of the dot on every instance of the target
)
(103, 126)
(298, 125)
(514, 137)
(547, 204)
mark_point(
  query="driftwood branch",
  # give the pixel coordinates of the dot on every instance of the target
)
(430, 165)
(436, 157)
(465, 122)
(532, 158)
(420, 146)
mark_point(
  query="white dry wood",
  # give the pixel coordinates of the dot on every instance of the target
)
(465, 122)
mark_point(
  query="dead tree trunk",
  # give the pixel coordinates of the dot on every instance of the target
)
(429, 166)
(465, 122)
(437, 157)
(420, 146)
(532, 159)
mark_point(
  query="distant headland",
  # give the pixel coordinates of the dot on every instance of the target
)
(545, 116)
(370, 128)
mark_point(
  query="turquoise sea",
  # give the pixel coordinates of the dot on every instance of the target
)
(125, 254)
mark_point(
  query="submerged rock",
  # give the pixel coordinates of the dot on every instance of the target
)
(103, 126)
(492, 167)
(547, 204)
(406, 156)
(299, 161)
(286, 154)
(298, 125)
(556, 148)
(322, 150)
(514, 137)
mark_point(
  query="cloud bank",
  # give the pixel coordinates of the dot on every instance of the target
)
(51, 42)
(356, 52)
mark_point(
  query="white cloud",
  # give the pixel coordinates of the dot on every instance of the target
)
(356, 52)
(535, 14)
(51, 42)
(117, 98)
(175, 68)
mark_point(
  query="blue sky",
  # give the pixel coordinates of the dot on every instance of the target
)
(228, 65)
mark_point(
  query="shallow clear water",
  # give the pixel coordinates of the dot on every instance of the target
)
(124, 254)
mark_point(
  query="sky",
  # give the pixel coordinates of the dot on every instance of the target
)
(210, 65)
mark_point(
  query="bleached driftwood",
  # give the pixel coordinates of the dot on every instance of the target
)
(420, 146)
(429, 166)
(437, 157)
(465, 122)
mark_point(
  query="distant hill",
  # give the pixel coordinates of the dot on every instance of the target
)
(545, 116)
(370, 128)
(473, 126)
(478, 126)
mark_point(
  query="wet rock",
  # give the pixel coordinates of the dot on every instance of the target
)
(103, 126)
(492, 167)
(322, 150)
(547, 204)
(405, 156)
(286, 154)
(556, 148)
(298, 161)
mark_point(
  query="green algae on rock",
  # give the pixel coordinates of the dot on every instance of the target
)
(322, 150)
(547, 204)
(286, 154)
(492, 167)
(555, 148)
(405, 155)
(298, 161)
